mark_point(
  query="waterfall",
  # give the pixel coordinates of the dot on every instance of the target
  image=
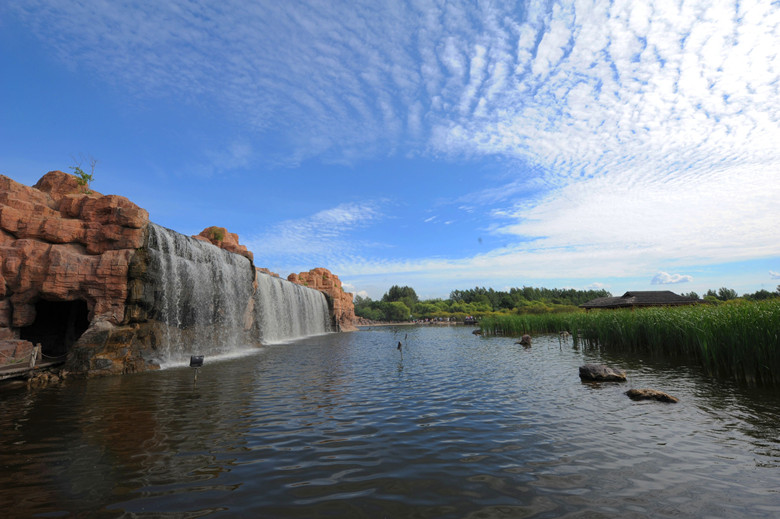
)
(284, 310)
(201, 293)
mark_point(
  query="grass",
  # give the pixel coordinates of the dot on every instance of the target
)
(739, 339)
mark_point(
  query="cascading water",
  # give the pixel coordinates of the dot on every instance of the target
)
(285, 311)
(201, 293)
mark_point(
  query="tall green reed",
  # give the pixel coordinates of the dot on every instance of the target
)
(740, 339)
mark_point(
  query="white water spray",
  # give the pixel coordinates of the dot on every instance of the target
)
(286, 311)
(200, 294)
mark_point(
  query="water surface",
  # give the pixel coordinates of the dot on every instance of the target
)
(345, 425)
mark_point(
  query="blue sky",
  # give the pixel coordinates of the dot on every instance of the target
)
(443, 145)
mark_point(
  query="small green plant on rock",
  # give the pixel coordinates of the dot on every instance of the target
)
(82, 177)
(216, 234)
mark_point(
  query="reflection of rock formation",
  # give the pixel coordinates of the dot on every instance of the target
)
(87, 276)
(322, 280)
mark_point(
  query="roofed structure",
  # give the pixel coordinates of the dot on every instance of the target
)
(640, 298)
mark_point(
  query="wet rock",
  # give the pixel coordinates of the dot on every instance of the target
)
(651, 394)
(601, 373)
(43, 379)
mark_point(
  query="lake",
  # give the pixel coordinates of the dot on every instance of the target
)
(344, 425)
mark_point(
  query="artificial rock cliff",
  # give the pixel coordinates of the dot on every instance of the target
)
(65, 253)
(76, 277)
(343, 308)
(223, 239)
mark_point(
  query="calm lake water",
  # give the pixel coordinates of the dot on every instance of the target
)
(347, 426)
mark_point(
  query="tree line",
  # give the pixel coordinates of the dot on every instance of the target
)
(400, 303)
(727, 294)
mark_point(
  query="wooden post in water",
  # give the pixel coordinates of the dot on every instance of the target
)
(34, 355)
(196, 361)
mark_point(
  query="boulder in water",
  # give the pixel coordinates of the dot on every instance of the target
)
(601, 373)
(651, 394)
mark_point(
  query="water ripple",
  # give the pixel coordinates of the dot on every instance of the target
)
(344, 426)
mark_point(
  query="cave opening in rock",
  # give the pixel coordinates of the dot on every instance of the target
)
(57, 326)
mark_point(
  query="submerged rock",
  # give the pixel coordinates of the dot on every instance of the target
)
(651, 394)
(601, 373)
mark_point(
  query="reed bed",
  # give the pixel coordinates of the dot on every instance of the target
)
(740, 340)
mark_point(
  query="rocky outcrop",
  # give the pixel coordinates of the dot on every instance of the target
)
(343, 308)
(651, 394)
(601, 373)
(223, 239)
(85, 275)
(61, 244)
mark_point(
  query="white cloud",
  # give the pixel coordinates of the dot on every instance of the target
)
(663, 278)
(323, 237)
(774, 275)
(650, 128)
(606, 82)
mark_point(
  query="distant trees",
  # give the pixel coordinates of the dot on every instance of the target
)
(402, 301)
(761, 295)
(723, 294)
(405, 295)
(519, 298)
(381, 310)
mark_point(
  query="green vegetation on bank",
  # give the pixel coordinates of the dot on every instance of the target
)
(739, 338)
(401, 303)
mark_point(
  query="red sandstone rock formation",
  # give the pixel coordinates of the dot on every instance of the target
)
(60, 244)
(266, 271)
(223, 239)
(323, 280)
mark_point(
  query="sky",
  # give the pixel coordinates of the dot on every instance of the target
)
(623, 145)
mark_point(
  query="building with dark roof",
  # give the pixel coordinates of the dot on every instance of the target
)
(640, 299)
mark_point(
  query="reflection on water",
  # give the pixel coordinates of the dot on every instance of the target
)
(347, 426)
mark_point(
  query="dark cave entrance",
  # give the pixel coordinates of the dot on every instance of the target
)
(58, 325)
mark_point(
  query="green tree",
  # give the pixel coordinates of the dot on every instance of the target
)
(761, 295)
(395, 311)
(725, 294)
(397, 293)
(405, 295)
